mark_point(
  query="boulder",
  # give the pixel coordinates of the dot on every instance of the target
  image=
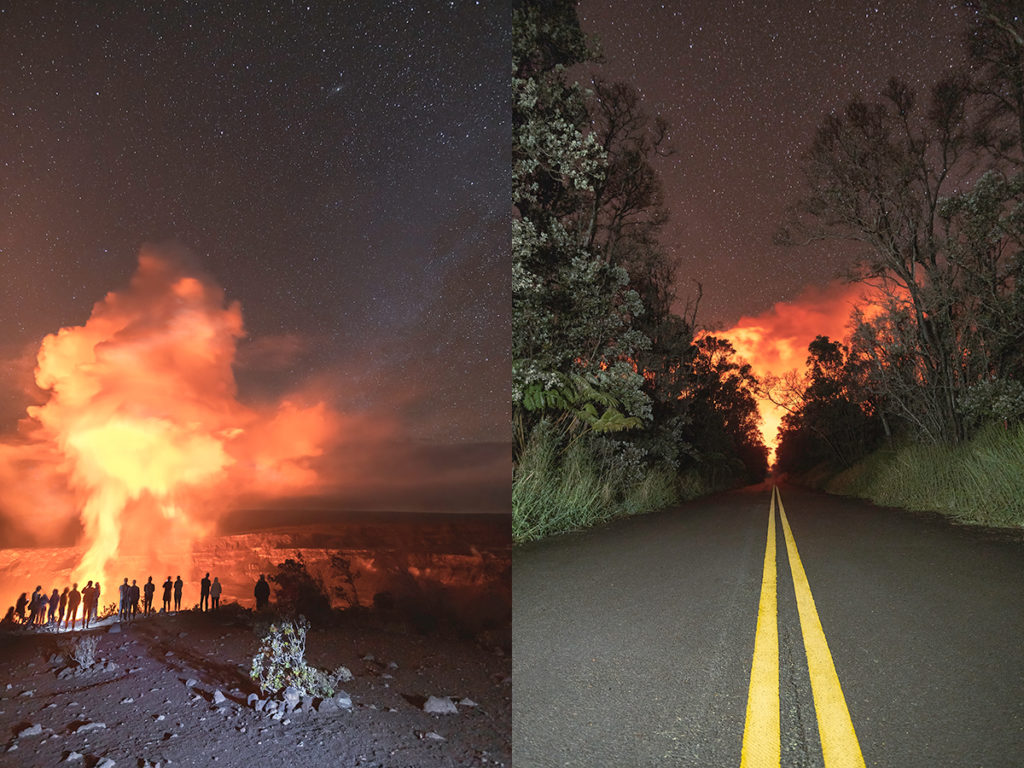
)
(440, 705)
(291, 698)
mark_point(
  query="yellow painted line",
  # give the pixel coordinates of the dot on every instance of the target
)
(838, 740)
(761, 741)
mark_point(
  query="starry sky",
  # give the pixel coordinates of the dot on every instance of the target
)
(743, 86)
(341, 169)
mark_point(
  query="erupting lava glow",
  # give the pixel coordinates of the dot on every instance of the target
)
(775, 342)
(142, 434)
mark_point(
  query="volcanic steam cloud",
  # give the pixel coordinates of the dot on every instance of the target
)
(142, 435)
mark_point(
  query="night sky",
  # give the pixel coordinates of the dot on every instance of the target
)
(341, 169)
(744, 85)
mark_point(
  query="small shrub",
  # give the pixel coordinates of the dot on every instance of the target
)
(83, 651)
(281, 662)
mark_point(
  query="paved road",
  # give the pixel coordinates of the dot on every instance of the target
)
(633, 644)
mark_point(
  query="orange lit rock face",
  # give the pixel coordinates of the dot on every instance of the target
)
(142, 435)
(409, 556)
(775, 342)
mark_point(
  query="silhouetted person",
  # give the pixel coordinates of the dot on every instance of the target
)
(133, 597)
(41, 604)
(96, 601)
(178, 586)
(147, 595)
(74, 598)
(204, 593)
(168, 586)
(88, 603)
(124, 601)
(262, 593)
(54, 600)
(19, 607)
(8, 620)
(33, 607)
(215, 590)
(63, 606)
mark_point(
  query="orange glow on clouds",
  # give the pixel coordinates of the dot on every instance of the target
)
(142, 436)
(775, 342)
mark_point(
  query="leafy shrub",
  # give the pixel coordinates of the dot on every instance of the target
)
(83, 651)
(281, 662)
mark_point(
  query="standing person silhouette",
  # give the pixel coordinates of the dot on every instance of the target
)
(262, 593)
(74, 598)
(133, 600)
(42, 601)
(33, 607)
(147, 595)
(63, 606)
(168, 586)
(88, 603)
(204, 593)
(124, 601)
(178, 586)
(215, 590)
(54, 600)
(20, 606)
(96, 601)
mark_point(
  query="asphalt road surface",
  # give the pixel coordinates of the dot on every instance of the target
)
(633, 644)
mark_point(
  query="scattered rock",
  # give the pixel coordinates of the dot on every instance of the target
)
(74, 757)
(106, 762)
(115, 629)
(259, 704)
(86, 727)
(307, 703)
(342, 700)
(191, 683)
(29, 692)
(291, 698)
(467, 702)
(128, 700)
(218, 697)
(33, 730)
(392, 665)
(432, 735)
(252, 699)
(440, 705)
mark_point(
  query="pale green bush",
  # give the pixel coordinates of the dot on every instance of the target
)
(281, 662)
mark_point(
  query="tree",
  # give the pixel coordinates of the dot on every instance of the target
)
(573, 340)
(876, 174)
(835, 419)
(720, 394)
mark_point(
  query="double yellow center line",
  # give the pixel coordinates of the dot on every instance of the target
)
(761, 734)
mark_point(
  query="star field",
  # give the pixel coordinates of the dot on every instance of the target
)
(743, 86)
(339, 168)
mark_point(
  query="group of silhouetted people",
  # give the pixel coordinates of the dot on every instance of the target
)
(56, 608)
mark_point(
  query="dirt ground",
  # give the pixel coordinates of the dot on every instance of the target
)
(152, 698)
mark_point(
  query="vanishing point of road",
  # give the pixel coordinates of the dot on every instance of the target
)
(770, 628)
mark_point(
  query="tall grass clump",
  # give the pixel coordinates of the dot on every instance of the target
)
(561, 486)
(980, 481)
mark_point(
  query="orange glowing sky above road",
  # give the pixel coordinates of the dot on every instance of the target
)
(775, 341)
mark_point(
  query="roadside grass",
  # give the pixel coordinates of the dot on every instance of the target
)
(556, 489)
(979, 482)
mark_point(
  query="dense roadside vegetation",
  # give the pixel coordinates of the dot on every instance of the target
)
(618, 405)
(922, 406)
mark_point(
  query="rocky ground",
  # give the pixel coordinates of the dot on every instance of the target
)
(174, 690)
